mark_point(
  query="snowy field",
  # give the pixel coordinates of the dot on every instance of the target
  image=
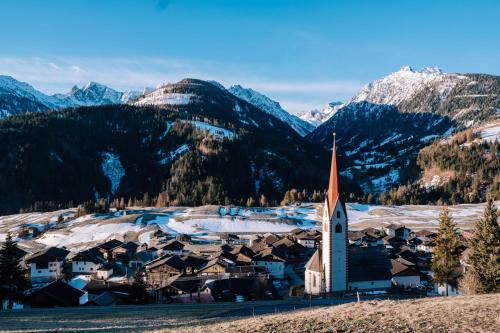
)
(206, 222)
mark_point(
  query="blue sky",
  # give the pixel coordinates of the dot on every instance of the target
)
(301, 53)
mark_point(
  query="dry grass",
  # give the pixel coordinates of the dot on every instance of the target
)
(454, 314)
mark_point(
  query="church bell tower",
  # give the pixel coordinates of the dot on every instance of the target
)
(334, 228)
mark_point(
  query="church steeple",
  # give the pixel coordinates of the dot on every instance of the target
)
(333, 185)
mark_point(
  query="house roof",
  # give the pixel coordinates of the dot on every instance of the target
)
(270, 254)
(368, 264)
(270, 238)
(168, 260)
(400, 269)
(59, 291)
(173, 244)
(243, 250)
(109, 245)
(258, 246)
(297, 231)
(91, 255)
(50, 254)
(220, 260)
(394, 226)
(97, 286)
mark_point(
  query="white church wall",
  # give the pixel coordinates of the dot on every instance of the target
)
(312, 282)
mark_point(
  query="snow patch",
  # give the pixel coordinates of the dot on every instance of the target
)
(112, 169)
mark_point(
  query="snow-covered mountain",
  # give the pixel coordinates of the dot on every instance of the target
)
(272, 107)
(405, 84)
(383, 127)
(317, 117)
(18, 97)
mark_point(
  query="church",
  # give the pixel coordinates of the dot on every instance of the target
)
(335, 267)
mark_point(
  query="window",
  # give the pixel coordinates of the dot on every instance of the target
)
(372, 283)
(338, 214)
(314, 280)
(338, 228)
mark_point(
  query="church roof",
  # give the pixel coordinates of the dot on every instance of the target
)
(315, 263)
(333, 194)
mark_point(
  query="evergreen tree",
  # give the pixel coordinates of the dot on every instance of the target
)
(138, 293)
(12, 278)
(316, 197)
(250, 202)
(484, 259)
(263, 201)
(446, 256)
(146, 201)
(370, 199)
(162, 200)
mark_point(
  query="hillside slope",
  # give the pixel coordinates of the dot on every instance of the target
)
(454, 314)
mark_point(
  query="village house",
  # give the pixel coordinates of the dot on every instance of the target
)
(227, 238)
(403, 275)
(104, 272)
(56, 294)
(273, 260)
(107, 247)
(172, 246)
(87, 262)
(308, 239)
(290, 249)
(396, 230)
(216, 266)
(159, 270)
(47, 265)
(139, 259)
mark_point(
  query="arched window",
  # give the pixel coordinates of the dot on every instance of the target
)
(338, 214)
(338, 228)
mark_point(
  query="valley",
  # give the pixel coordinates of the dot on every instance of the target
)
(206, 224)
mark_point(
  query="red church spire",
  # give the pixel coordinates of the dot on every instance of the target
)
(333, 185)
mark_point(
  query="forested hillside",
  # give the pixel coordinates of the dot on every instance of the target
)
(216, 149)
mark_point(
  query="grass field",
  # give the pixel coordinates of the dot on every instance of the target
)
(454, 314)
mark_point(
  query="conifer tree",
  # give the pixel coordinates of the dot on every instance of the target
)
(446, 256)
(138, 293)
(121, 205)
(263, 201)
(146, 201)
(12, 278)
(370, 199)
(484, 259)
(250, 202)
